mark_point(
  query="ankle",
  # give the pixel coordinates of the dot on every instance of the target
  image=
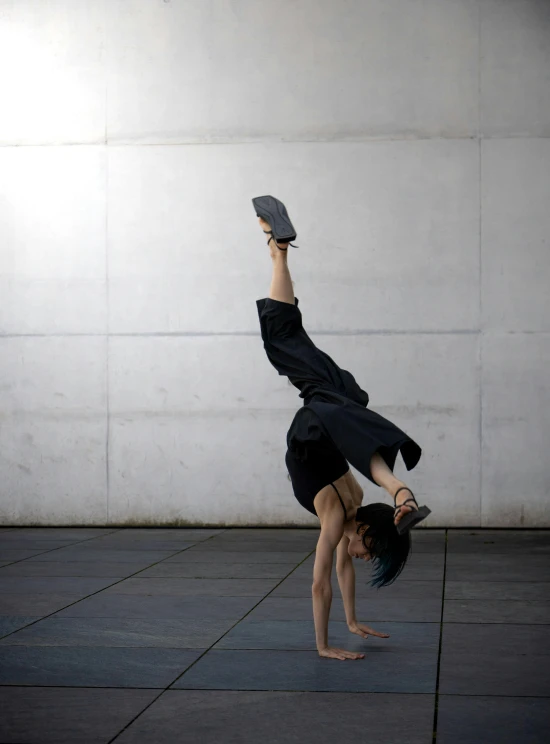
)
(277, 255)
(395, 486)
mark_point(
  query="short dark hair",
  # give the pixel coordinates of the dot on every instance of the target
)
(389, 549)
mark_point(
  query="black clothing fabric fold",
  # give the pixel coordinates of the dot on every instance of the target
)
(335, 424)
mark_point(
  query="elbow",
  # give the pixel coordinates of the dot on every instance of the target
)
(321, 588)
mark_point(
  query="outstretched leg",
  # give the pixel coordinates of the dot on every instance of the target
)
(281, 284)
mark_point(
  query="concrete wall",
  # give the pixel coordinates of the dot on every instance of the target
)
(410, 141)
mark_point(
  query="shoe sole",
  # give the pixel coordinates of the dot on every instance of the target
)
(274, 212)
(411, 519)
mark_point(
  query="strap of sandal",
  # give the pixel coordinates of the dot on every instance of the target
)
(270, 232)
(411, 498)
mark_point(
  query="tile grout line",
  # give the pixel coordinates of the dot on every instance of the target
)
(222, 689)
(169, 686)
(92, 594)
(51, 550)
(436, 705)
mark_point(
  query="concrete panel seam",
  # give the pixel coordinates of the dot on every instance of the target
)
(327, 141)
(480, 316)
(107, 324)
(253, 334)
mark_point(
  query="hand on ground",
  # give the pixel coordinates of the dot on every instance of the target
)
(364, 631)
(339, 653)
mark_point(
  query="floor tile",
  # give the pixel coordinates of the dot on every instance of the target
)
(119, 632)
(194, 587)
(480, 567)
(496, 639)
(495, 611)
(51, 585)
(499, 541)
(138, 544)
(34, 544)
(422, 546)
(218, 571)
(92, 667)
(428, 533)
(14, 554)
(9, 624)
(82, 553)
(492, 674)
(306, 671)
(401, 589)
(273, 546)
(299, 608)
(186, 534)
(35, 604)
(64, 533)
(419, 567)
(228, 717)
(252, 545)
(518, 590)
(301, 587)
(45, 715)
(264, 533)
(94, 569)
(223, 557)
(140, 607)
(289, 635)
(492, 720)
(269, 546)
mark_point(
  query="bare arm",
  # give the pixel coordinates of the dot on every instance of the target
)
(322, 589)
(346, 579)
(331, 534)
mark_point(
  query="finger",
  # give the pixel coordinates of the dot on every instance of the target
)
(352, 655)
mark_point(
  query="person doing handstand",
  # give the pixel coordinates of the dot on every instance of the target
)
(335, 428)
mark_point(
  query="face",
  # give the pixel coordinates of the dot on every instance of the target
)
(356, 548)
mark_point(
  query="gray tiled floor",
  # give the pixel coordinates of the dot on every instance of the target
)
(135, 635)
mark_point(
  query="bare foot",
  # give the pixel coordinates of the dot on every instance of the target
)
(272, 243)
(402, 496)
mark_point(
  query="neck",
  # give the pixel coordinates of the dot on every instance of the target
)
(350, 528)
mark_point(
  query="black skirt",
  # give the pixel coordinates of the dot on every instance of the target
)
(335, 407)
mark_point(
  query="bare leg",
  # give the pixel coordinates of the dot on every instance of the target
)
(281, 283)
(384, 477)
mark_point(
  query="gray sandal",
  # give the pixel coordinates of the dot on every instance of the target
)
(412, 518)
(274, 211)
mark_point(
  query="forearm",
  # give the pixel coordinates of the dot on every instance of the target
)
(346, 582)
(322, 599)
